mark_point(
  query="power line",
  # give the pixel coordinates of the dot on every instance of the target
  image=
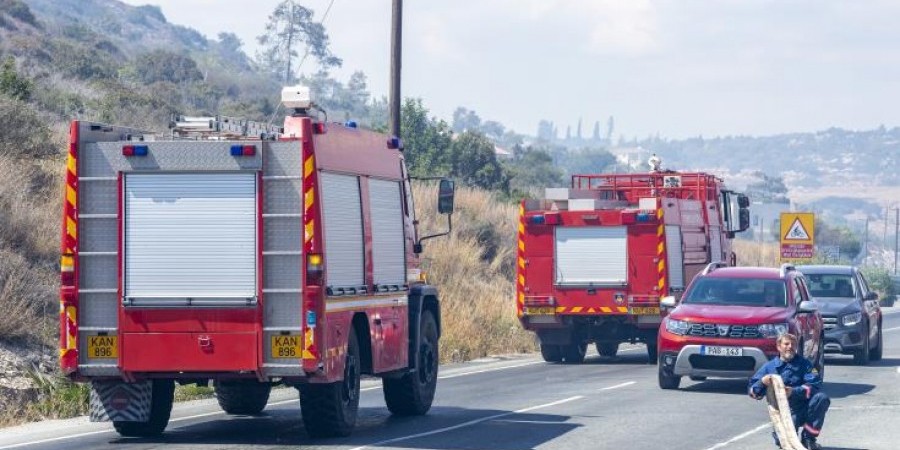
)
(324, 16)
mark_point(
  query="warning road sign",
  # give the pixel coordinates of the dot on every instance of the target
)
(797, 235)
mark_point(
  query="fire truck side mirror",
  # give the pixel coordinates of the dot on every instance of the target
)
(445, 196)
(743, 201)
(668, 302)
(744, 218)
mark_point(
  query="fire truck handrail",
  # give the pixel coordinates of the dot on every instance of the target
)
(713, 266)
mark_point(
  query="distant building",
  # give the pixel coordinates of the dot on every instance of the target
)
(502, 153)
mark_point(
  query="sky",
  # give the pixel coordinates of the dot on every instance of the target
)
(673, 68)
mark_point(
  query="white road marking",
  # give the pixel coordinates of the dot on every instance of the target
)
(739, 437)
(281, 402)
(618, 386)
(530, 422)
(470, 423)
(890, 329)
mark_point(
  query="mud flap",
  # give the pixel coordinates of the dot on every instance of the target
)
(117, 401)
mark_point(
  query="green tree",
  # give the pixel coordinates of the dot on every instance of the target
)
(163, 65)
(880, 280)
(769, 189)
(426, 140)
(532, 169)
(291, 27)
(842, 236)
(474, 162)
(12, 84)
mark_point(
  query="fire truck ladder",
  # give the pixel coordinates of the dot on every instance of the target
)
(780, 415)
(222, 127)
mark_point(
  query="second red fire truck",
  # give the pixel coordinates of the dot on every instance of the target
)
(595, 259)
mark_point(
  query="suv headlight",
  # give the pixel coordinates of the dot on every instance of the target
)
(771, 330)
(851, 319)
(679, 327)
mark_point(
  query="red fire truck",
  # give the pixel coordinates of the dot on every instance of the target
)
(246, 255)
(595, 259)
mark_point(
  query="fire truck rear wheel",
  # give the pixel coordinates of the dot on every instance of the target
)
(329, 410)
(574, 353)
(608, 349)
(412, 394)
(551, 353)
(161, 399)
(242, 396)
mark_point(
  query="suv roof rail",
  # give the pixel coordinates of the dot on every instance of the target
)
(713, 266)
(785, 268)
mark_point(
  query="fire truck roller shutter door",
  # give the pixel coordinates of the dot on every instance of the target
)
(190, 236)
(591, 255)
(342, 212)
(388, 252)
(674, 256)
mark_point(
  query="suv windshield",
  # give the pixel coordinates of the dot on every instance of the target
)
(830, 285)
(737, 292)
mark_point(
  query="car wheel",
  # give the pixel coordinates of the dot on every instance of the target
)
(667, 381)
(820, 360)
(861, 356)
(875, 353)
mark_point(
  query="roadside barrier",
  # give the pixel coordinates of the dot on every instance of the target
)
(780, 414)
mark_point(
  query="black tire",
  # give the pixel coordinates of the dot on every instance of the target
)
(575, 353)
(608, 349)
(876, 353)
(413, 393)
(667, 381)
(551, 353)
(246, 397)
(652, 353)
(697, 378)
(861, 356)
(161, 399)
(820, 361)
(329, 410)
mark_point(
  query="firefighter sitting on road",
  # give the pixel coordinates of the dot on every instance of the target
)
(802, 384)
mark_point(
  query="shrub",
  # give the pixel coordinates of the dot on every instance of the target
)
(12, 84)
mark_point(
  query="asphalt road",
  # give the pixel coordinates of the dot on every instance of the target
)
(524, 403)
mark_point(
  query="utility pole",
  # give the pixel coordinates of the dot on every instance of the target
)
(866, 245)
(896, 236)
(396, 44)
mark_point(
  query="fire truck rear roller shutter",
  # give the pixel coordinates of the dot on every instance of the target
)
(591, 255)
(674, 256)
(388, 251)
(342, 212)
(190, 235)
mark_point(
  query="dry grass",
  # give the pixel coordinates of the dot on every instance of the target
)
(473, 269)
(751, 253)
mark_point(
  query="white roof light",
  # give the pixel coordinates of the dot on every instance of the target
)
(296, 97)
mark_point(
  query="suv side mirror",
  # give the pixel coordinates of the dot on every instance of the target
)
(445, 196)
(807, 307)
(872, 296)
(668, 302)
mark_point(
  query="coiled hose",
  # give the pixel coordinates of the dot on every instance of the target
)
(780, 414)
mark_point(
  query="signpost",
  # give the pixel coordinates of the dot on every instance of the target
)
(798, 233)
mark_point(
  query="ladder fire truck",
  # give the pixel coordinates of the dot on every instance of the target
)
(595, 259)
(246, 255)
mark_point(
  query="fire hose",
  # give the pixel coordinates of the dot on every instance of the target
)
(780, 415)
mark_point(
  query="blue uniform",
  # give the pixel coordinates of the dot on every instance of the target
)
(808, 404)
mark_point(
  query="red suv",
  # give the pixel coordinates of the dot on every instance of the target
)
(728, 318)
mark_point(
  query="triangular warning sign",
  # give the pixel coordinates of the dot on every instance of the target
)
(797, 232)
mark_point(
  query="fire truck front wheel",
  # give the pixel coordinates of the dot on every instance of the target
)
(247, 397)
(412, 394)
(329, 410)
(551, 353)
(161, 399)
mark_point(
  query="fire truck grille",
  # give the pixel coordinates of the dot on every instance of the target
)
(706, 362)
(724, 331)
(830, 322)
